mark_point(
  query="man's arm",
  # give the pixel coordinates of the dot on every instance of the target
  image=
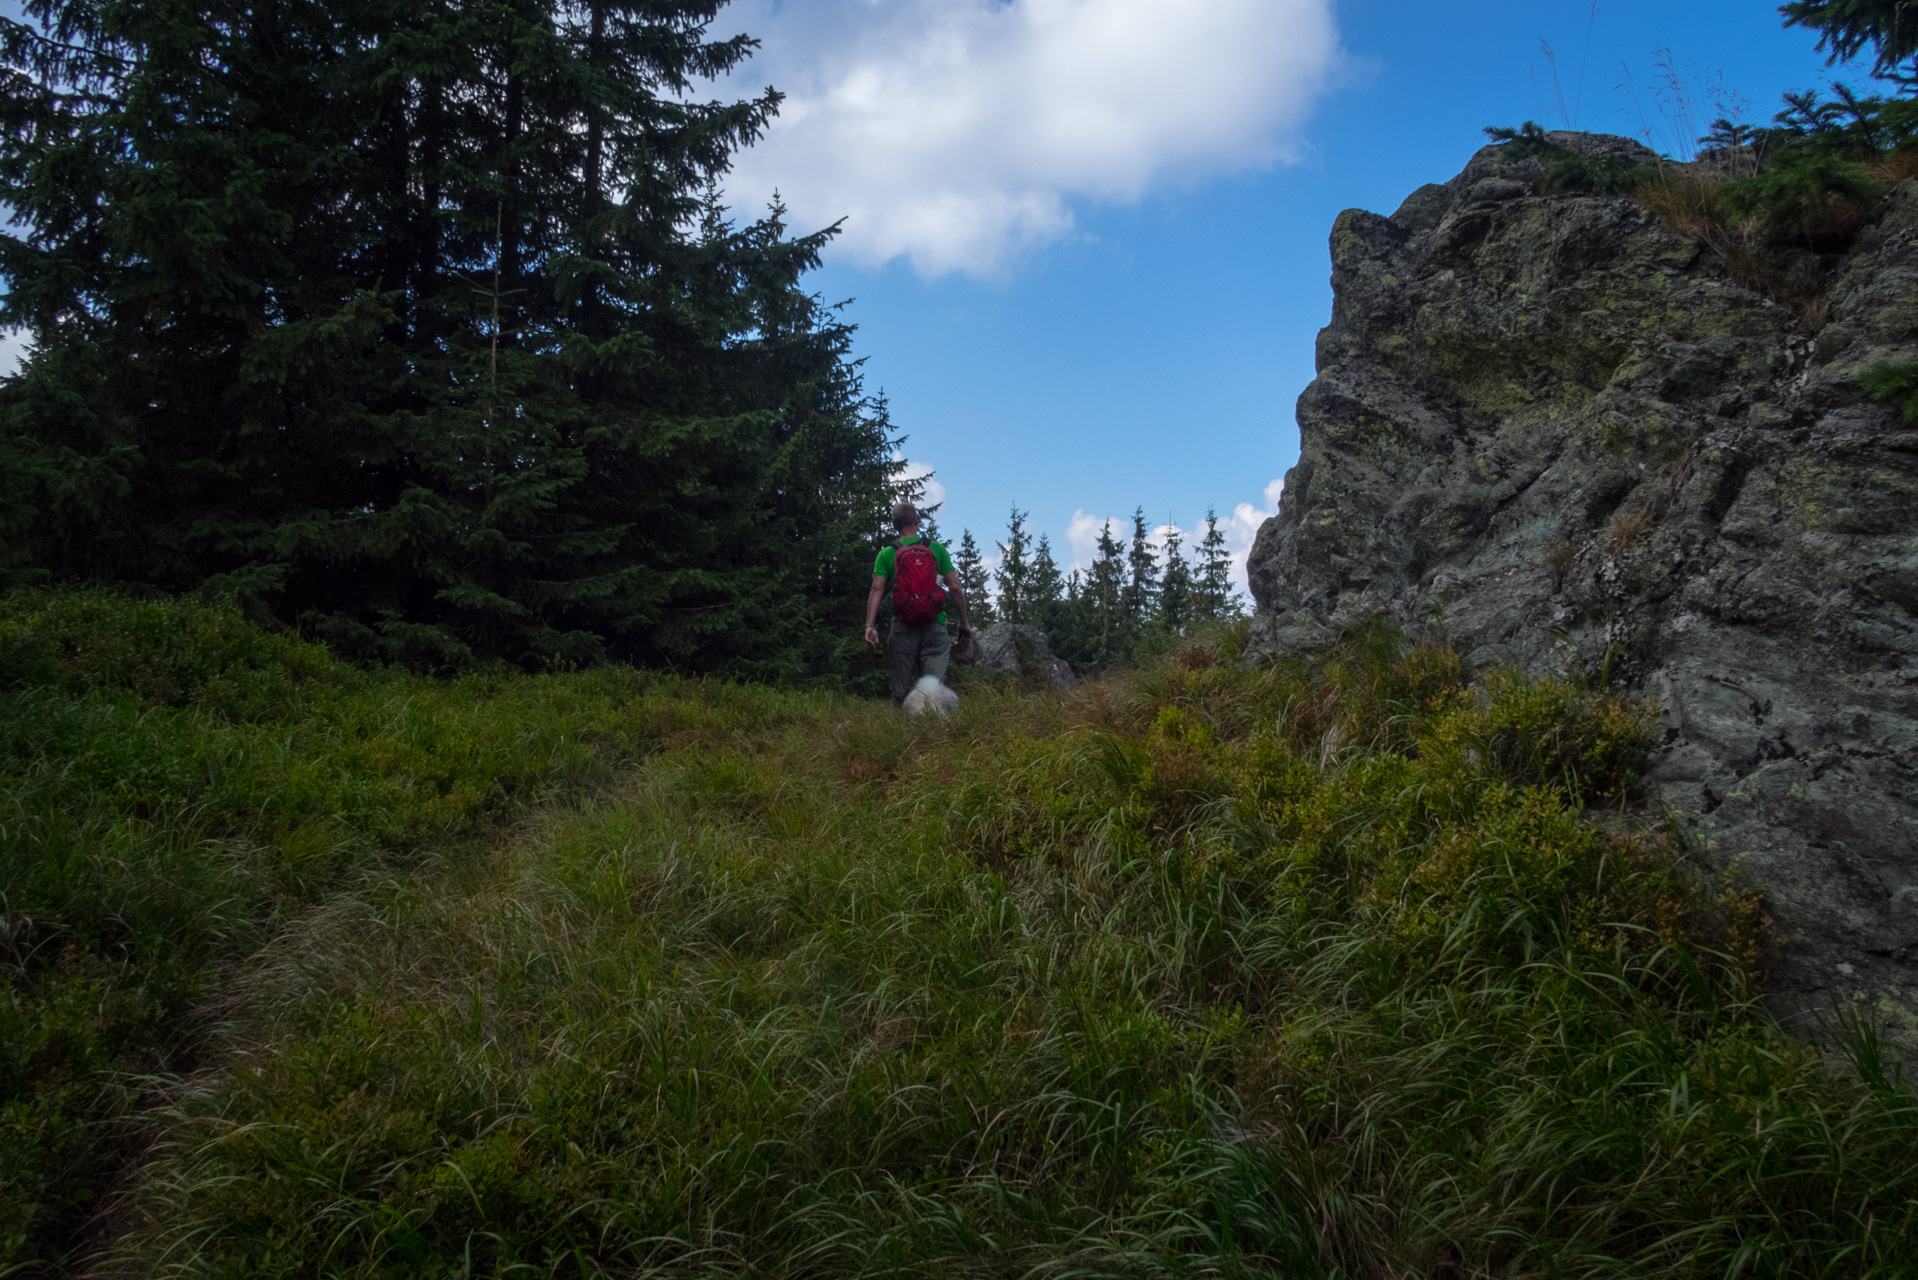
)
(872, 607)
(958, 595)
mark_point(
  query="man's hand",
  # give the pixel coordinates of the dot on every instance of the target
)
(956, 596)
(872, 608)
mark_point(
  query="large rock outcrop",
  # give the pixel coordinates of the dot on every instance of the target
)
(1562, 434)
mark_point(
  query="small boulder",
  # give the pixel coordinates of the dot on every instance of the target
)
(1022, 651)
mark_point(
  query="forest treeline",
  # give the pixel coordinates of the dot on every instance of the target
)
(420, 328)
(1131, 603)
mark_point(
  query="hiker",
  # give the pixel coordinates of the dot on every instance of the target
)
(918, 644)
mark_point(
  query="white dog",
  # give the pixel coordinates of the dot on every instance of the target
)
(930, 694)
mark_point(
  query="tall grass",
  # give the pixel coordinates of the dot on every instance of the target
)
(1308, 971)
(178, 785)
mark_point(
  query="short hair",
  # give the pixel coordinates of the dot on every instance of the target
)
(904, 516)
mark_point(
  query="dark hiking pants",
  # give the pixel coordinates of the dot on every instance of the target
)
(916, 651)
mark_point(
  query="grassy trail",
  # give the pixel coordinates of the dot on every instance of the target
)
(1303, 971)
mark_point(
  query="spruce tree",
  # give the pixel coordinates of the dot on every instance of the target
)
(419, 325)
(913, 490)
(1175, 585)
(1213, 594)
(1846, 27)
(1045, 591)
(1014, 570)
(1071, 625)
(1105, 592)
(1141, 596)
(971, 568)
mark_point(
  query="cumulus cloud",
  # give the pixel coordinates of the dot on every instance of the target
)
(1243, 527)
(935, 493)
(1082, 535)
(958, 132)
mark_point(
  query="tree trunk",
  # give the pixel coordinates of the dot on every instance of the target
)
(509, 227)
(593, 205)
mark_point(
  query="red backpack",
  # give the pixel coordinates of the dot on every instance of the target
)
(916, 595)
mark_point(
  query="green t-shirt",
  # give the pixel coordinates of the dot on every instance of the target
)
(882, 567)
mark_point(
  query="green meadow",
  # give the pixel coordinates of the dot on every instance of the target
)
(1346, 968)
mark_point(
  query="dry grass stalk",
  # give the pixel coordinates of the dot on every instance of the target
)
(1627, 528)
(1560, 559)
(1687, 203)
(1895, 168)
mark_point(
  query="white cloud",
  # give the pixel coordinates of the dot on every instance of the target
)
(1082, 535)
(14, 346)
(958, 132)
(1243, 526)
(1157, 538)
(935, 493)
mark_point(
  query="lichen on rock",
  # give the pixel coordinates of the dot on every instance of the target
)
(1565, 436)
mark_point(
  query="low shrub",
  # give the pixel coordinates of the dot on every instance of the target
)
(1897, 384)
(1805, 196)
(1688, 203)
(1563, 170)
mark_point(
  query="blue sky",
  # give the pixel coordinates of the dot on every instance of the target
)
(1137, 329)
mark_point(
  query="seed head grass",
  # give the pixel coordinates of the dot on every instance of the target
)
(1340, 968)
